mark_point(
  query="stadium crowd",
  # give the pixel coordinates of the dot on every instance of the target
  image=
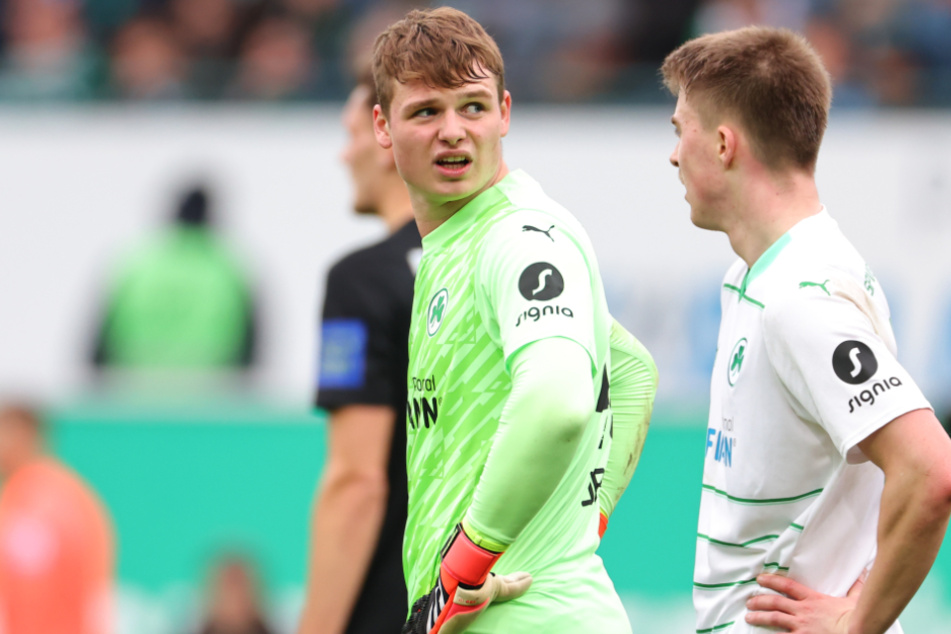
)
(880, 52)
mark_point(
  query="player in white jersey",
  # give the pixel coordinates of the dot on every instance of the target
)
(827, 481)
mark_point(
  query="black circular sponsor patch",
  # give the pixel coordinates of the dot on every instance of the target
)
(541, 281)
(854, 362)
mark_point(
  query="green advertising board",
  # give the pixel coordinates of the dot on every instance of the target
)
(186, 483)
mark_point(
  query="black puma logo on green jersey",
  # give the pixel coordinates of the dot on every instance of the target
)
(545, 231)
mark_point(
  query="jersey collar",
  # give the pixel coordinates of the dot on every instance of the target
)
(769, 256)
(465, 217)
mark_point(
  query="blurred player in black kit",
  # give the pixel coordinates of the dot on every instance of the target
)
(355, 580)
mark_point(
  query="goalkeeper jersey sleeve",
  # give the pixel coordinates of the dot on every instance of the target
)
(538, 435)
(633, 387)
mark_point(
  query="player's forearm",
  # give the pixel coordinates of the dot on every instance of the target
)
(633, 386)
(543, 422)
(348, 518)
(912, 523)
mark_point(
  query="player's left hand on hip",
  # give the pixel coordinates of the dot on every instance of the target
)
(465, 588)
(799, 609)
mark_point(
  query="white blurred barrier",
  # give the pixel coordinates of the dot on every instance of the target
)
(80, 186)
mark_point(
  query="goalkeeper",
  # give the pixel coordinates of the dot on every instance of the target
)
(508, 411)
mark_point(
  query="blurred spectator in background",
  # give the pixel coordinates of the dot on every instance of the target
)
(47, 54)
(56, 542)
(367, 25)
(180, 303)
(726, 15)
(645, 33)
(148, 62)
(105, 17)
(328, 24)
(583, 62)
(923, 29)
(209, 31)
(838, 54)
(275, 62)
(888, 72)
(355, 578)
(234, 603)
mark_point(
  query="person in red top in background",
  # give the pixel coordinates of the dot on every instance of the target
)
(56, 542)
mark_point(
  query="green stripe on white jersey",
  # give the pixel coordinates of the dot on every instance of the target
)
(510, 268)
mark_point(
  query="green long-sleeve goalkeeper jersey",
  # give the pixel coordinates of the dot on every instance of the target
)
(510, 268)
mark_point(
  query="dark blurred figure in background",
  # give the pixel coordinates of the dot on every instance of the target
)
(645, 33)
(56, 541)
(182, 302)
(355, 579)
(234, 603)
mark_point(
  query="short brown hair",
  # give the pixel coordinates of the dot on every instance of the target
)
(364, 74)
(771, 79)
(443, 47)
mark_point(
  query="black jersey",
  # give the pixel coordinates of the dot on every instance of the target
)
(363, 360)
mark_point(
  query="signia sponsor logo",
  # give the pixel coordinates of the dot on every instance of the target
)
(867, 397)
(534, 313)
(541, 282)
(854, 362)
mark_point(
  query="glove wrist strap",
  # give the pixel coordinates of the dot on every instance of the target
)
(468, 563)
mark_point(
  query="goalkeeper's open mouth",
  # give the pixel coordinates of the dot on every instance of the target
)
(453, 164)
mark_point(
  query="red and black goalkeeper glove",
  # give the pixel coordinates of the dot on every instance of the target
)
(602, 524)
(464, 589)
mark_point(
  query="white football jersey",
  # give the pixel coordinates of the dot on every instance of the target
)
(805, 369)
